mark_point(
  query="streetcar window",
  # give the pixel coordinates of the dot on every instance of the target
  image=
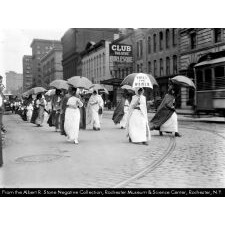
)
(199, 78)
(219, 77)
(208, 79)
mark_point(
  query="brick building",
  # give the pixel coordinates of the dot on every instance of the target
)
(51, 65)
(27, 72)
(156, 51)
(39, 48)
(195, 44)
(74, 41)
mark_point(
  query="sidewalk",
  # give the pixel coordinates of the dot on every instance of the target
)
(183, 115)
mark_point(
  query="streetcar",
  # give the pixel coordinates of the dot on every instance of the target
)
(210, 83)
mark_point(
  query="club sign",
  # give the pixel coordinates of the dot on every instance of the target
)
(121, 53)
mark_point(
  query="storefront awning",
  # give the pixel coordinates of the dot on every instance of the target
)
(210, 62)
(112, 81)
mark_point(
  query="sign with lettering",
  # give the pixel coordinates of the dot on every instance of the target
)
(142, 80)
(121, 53)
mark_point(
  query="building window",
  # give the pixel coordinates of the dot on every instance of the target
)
(141, 48)
(137, 68)
(175, 64)
(161, 40)
(155, 68)
(193, 40)
(149, 45)
(149, 67)
(137, 49)
(167, 38)
(161, 67)
(167, 66)
(217, 35)
(174, 37)
(141, 67)
(154, 42)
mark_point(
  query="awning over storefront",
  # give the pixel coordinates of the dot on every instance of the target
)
(112, 81)
(210, 62)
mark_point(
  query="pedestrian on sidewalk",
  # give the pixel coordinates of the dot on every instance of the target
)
(80, 95)
(72, 116)
(121, 112)
(165, 119)
(137, 121)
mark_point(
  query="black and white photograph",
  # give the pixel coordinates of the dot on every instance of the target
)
(115, 99)
(113, 108)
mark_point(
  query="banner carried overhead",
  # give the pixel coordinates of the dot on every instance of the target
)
(121, 53)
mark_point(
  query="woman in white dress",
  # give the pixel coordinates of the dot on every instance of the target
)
(72, 116)
(95, 102)
(137, 121)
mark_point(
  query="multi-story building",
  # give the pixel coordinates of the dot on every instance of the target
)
(39, 48)
(156, 51)
(27, 72)
(195, 45)
(14, 82)
(51, 66)
(74, 41)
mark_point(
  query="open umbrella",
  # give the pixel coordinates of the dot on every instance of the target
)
(80, 82)
(36, 90)
(139, 80)
(183, 81)
(100, 88)
(50, 92)
(127, 87)
(59, 84)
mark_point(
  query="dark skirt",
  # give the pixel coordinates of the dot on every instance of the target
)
(62, 121)
(34, 115)
(82, 118)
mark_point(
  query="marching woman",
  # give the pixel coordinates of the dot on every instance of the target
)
(72, 116)
(121, 111)
(165, 119)
(41, 103)
(35, 111)
(56, 103)
(29, 108)
(137, 121)
(94, 104)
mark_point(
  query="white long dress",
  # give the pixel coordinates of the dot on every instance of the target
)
(126, 110)
(72, 118)
(137, 121)
(29, 112)
(171, 125)
(95, 103)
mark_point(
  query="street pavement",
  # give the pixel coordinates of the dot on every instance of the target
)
(39, 157)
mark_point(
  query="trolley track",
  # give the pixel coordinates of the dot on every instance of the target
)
(172, 145)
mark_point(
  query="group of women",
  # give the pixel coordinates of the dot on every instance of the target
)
(71, 111)
(132, 115)
(68, 111)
